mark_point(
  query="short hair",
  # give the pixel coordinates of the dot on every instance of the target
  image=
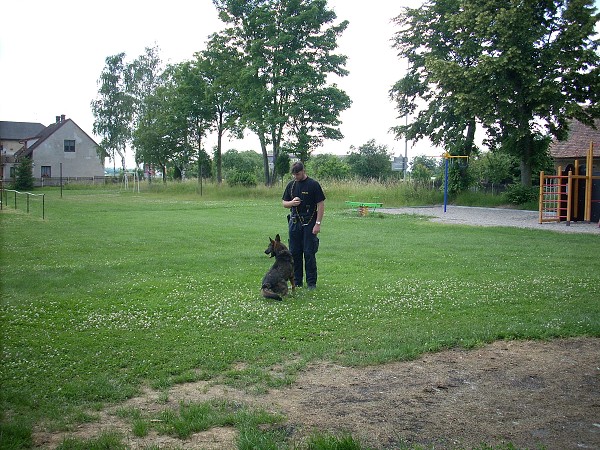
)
(297, 167)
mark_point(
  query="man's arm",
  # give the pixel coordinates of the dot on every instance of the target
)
(290, 203)
(320, 212)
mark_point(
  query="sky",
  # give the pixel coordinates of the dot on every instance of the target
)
(52, 54)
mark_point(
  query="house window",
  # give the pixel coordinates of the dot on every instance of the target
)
(12, 171)
(69, 145)
(46, 172)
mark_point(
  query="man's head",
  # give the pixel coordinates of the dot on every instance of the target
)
(298, 171)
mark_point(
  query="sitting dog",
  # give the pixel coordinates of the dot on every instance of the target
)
(275, 281)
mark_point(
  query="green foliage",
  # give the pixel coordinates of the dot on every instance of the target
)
(327, 166)
(237, 178)
(121, 99)
(24, 175)
(282, 165)
(288, 48)
(518, 194)
(370, 161)
(520, 69)
(495, 167)
(248, 162)
(424, 168)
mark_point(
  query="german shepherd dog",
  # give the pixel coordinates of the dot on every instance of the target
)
(275, 281)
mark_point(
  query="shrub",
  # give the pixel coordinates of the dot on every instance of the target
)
(24, 175)
(235, 178)
(518, 194)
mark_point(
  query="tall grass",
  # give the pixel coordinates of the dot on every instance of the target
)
(115, 290)
(392, 193)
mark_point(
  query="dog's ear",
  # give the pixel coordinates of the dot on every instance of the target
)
(277, 238)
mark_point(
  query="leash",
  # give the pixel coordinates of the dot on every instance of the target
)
(298, 212)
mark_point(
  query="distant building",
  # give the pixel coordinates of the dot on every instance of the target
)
(63, 143)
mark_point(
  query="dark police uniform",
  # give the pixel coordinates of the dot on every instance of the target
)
(302, 218)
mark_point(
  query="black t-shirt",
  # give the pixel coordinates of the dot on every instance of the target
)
(310, 192)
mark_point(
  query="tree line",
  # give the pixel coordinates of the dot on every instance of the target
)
(519, 71)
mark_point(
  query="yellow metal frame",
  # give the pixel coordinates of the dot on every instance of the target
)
(550, 196)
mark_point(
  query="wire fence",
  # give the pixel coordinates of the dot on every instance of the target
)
(17, 199)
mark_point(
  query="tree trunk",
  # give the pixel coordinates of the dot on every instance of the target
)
(526, 151)
(218, 156)
(469, 144)
(263, 147)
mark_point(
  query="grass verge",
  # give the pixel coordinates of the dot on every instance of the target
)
(115, 289)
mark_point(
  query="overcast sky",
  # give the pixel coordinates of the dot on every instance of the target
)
(52, 54)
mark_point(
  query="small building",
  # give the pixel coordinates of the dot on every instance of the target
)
(61, 149)
(576, 146)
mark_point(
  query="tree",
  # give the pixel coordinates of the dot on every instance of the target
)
(370, 161)
(113, 109)
(288, 48)
(155, 137)
(220, 67)
(282, 166)
(521, 69)
(327, 166)
(248, 162)
(424, 168)
(121, 99)
(24, 175)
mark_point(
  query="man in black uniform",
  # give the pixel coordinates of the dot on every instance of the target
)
(306, 201)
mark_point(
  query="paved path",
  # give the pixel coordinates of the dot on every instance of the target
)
(492, 217)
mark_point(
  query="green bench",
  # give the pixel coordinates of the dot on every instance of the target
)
(363, 207)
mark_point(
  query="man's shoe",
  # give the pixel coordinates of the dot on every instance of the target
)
(311, 287)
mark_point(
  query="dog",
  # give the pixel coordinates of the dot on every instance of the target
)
(275, 281)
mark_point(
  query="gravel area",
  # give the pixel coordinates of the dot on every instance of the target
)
(493, 217)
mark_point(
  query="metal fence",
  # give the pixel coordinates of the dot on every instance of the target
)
(17, 199)
(56, 181)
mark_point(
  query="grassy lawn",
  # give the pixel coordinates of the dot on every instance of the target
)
(116, 290)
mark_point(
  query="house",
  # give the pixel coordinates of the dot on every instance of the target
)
(576, 146)
(61, 149)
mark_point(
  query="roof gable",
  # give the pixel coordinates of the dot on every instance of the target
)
(18, 131)
(46, 133)
(577, 143)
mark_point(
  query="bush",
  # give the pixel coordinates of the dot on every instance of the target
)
(235, 178)
(518, 194)
(24, 175)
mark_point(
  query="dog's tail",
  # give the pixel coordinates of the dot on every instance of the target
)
(268, 293)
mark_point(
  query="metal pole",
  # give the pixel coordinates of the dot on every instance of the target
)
(405, 165)
(43, 206)
(445, 184)
(61, 181)
(27, 194)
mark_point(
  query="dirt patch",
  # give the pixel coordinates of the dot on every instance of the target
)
(530, 394)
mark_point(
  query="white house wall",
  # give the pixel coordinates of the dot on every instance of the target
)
(83, 162)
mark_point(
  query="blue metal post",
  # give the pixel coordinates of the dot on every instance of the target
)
(445, 184)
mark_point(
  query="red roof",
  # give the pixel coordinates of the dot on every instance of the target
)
(578, 142)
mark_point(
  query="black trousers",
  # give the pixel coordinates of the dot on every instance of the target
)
(303, 247)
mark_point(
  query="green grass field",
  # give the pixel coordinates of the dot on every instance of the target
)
(114, 290)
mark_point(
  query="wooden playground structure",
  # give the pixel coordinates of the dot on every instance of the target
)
(569, 195)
